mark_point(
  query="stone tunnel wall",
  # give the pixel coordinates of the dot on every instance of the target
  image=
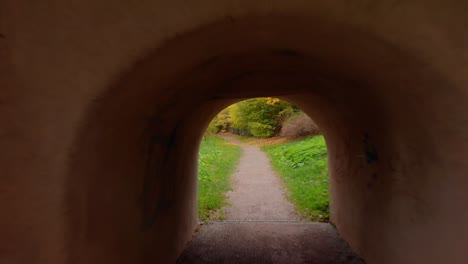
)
(102, 106)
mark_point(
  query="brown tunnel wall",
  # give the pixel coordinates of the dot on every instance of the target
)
(103, 106)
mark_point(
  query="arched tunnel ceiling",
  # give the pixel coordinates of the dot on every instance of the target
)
(89, 87)
(353, 83)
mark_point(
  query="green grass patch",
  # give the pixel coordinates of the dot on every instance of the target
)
(243, 139)
(216, 161)
(303, 167)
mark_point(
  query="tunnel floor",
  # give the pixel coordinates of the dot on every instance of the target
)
(268, 242)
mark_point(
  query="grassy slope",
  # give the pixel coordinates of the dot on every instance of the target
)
(303, 167)
(216, 162)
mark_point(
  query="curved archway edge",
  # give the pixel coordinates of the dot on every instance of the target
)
(114, 154)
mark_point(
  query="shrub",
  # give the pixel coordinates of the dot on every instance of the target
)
(260, 130)
(221, 122)
(260, 117)
(299, 124)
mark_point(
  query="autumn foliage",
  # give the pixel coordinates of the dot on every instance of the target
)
(258, 117)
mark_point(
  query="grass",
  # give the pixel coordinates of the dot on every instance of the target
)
(303, 167)
(243, 139)
(216, 162)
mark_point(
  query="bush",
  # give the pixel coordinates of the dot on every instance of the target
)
(259, 117)
(260, 130)
(299, 125)
(221, 122)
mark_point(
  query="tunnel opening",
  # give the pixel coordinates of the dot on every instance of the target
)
(133, 157)
(263, 189)
(256, 142)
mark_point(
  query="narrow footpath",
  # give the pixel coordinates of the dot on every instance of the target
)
(262, 226)
(257, 192)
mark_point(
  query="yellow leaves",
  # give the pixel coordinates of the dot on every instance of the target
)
(272, 100)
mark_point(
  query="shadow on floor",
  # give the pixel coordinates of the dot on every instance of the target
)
(268, 242)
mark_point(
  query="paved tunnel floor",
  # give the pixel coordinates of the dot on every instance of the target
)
(268, 242)
(262, 226)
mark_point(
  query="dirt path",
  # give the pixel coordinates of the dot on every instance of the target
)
(262, 226)
(257, 193)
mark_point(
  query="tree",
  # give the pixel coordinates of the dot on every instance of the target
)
(259, 117)
(221, 122)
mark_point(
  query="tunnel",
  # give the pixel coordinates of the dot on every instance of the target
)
(103, 104)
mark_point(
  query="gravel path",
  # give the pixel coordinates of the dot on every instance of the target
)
(261, 225)
(257, 192)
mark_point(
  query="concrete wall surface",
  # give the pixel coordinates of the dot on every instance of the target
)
(103, 104)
